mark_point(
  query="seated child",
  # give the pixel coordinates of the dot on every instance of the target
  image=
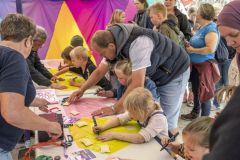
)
(66, 58)
(123, 71)
(140, 106)
(75, 42)
(84, 67)
(196, 139)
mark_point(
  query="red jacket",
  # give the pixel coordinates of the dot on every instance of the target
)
(208, 75)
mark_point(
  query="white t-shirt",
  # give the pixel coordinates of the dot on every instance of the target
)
(157, 125)
(140, 53)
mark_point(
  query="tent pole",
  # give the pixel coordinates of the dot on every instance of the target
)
(19, 6)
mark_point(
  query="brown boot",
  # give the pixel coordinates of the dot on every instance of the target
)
(189, 117)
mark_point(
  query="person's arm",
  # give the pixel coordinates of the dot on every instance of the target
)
(37, 77)
(40, 103)
(92, 80)
(114, 122)
(74, 83)
(128, 137)
(64, 70)
(211, 41)
(140, 54)
(20, 116)
(41, 68)
(104, 93)
(138, 78)
(103, 82)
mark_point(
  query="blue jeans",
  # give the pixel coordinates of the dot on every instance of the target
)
(171, 97)
(203, 107)
(5, 155)
(223, 68)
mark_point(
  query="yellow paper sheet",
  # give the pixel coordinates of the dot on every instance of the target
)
(67, 76)
(86, 132)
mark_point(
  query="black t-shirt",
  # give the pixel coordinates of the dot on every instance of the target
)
(14, 77)
(104, 83)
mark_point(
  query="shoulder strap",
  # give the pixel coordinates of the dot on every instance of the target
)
(146, 122)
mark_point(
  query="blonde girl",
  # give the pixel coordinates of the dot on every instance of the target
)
(196, 139)
(118, 16)
(123, 71)
(140, 106)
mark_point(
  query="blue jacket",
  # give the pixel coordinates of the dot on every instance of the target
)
(148, 84)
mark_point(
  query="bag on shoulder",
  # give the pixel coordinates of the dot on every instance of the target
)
(221, 53)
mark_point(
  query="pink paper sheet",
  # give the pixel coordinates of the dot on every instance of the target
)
(48, 94)
(85, 106)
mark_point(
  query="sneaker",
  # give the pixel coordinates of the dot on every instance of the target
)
(189, 117)
(215, 108)
(190, 104)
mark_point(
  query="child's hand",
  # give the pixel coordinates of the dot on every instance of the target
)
(164, 140)
(61, 79)
(73, 81)
(106, 136)
(173, 145)
(55, 79)
(97, 129)
(104, 93)
(57, 86)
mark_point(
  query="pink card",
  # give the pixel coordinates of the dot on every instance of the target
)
(48, 94)
(85, 106)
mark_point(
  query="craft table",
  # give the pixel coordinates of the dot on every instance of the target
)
(146, 151)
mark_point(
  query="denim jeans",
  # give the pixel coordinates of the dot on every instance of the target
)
(171, 97)
(5, 155)
(203, 107)
(223, 68)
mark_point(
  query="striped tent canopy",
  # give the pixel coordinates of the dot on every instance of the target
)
(63, 19)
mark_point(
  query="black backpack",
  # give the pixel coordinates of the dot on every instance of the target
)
(221, 53)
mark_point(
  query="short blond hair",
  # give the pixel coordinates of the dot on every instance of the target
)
(140, 101)
(79, 52)
(158, 8)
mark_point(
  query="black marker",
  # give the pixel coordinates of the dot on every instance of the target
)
(170, 140)
(95, 123)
